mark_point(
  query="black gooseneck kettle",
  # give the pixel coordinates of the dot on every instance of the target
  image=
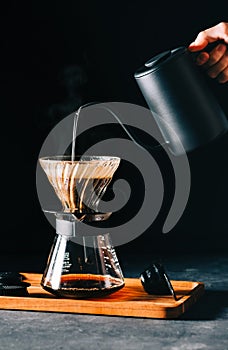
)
(182, 104)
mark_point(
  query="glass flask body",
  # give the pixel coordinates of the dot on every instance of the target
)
(81, 266)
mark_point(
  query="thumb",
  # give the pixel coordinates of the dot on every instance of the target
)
(200, 43)
(210, 35)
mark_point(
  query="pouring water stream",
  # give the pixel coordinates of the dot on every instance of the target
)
(133, 139)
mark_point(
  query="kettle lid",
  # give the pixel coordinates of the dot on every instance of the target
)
(157, 61)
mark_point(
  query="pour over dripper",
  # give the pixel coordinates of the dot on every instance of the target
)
(81, 265)
(80, 184)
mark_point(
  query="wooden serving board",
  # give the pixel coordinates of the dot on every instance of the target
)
(130, 301)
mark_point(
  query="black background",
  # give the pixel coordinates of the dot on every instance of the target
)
(57, 55)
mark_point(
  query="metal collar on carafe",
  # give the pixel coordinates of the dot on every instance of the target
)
(182, 104)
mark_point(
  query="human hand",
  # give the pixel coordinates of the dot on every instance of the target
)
(214, 62)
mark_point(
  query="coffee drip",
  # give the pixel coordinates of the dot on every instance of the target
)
(80, 265)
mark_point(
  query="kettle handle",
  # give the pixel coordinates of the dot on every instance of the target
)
(208, 48)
